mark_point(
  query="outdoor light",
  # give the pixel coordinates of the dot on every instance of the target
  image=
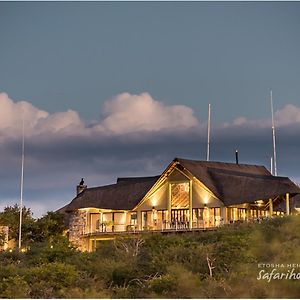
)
(259, 202)
(154, 212)
(206, 199)
(186, 187)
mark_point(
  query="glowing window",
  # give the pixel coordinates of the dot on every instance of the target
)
(180, 195)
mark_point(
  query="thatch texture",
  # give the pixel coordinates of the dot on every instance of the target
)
(231, 183)
(124, 195)
(239, 183)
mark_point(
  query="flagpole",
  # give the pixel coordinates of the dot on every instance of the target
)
(273, 135)
(208, 133)
(22, 182)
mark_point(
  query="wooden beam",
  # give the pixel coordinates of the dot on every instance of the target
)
(287, 198)
(271, 207)
(248, 212)
(191, 205)
(169, 203)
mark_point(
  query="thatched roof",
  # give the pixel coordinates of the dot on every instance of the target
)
(239, 183)
(231, 183)
(124, 195)
(296, 201)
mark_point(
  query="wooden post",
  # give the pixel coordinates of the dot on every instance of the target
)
(287, 203)
(248, 212)
(223, 215)
(89, 244)
(169, 204)
(271, 207)
(139, 220)
(191, 205)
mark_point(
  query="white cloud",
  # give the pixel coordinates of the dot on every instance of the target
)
(290, 114)
(127, 113)
(36, 121)
(11, 115)
(123, 114)
(67, 122)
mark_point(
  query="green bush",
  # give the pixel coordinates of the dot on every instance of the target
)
(14, 287)
(157, 265)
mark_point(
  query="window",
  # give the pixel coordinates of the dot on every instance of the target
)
(147, 221)
(133, 218)
(180, 195)
(198, 215)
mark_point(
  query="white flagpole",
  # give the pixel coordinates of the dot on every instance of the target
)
(208, 133)
(273, 135)
(271, 165)
(22, 181)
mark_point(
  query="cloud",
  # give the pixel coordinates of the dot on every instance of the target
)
(290, 114)
(36, 121)
(123, 114)
(132, 113)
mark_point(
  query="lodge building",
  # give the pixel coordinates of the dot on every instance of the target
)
(188, 195)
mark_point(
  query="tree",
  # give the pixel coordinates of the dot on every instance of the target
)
(11, 217)
(49, 227)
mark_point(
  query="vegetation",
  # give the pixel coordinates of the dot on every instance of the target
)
(216, 264)
(10, 217)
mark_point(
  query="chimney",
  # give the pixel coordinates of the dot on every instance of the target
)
(80, 187)
(237, 157)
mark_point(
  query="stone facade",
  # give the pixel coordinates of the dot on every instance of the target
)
(4, 231)
(77, 225)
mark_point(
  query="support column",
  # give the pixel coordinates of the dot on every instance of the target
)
(87, 223)
(271, 207)
(287, 198)
(169, 204)
(139, 220)
(248, 212)
(223, 215)
(191, 205)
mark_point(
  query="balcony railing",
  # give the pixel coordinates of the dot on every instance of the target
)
(165, 226)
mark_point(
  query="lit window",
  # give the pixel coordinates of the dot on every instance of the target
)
(180, 195)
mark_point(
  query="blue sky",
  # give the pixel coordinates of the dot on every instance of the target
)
(87, 68)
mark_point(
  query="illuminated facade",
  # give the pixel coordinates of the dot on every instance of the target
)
(188, 195)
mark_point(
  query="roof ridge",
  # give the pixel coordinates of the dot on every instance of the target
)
(177, 159)
(245, 174)
(138, 179)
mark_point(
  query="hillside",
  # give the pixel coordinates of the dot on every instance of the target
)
(232, 262)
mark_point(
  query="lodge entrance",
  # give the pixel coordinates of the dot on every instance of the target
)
(179, 218)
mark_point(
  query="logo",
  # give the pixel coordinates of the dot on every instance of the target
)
(271, 271)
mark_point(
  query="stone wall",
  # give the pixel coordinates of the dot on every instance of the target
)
(4, 231)
(77, 224)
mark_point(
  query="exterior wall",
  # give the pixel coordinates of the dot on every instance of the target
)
(159, 212)
(159, 199)
(4, 230)
(200, 195)
(77, 228)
